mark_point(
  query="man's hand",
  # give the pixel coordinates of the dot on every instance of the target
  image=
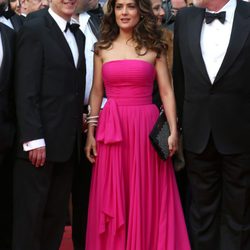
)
(38, 156)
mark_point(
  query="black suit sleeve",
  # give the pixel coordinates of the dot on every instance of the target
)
(28, 78)
(178, 74)
(7, 129)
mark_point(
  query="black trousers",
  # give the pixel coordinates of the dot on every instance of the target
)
(6, 183)
(80, 198)
(184, 192)
(220, 206)
(41, 197)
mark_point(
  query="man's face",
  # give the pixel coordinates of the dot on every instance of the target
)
(85, 5)
(3, 2)
(64, 8)
(34, 5)
(201, 3)
(92, 4)
(178, 4)
(213, 5)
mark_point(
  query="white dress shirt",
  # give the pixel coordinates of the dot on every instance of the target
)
(215, 39)
(89, 54)
(70, 38)
(6, 21)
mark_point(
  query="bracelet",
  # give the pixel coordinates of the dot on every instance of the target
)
(89, 110)
(92, 121)
(92, 117)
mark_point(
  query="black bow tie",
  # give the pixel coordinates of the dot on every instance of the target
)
(73, 27)
(210, 17)
(7, 14)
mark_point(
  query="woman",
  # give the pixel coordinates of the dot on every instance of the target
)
(134, 202)
(15, 5)
(159, 13)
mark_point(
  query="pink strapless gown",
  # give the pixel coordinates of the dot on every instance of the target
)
(134, 202)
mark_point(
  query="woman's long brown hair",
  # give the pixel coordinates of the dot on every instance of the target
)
(147, 35)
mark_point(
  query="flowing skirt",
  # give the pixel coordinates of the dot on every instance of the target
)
(134, 202)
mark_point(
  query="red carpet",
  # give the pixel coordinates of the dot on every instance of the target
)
(67, 242)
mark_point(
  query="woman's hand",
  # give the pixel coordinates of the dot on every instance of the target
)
(90, 148)
(173, 143)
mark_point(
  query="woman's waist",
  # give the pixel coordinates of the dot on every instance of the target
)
(131, 101)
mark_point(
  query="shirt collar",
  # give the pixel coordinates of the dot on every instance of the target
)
(83, 19)
(61, 22)
(229, 8)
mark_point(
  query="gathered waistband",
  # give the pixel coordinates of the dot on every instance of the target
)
(128, 101)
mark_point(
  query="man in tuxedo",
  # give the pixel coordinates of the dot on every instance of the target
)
(211, 81)
(9, 17)
(7, 131)
(89, 14)
(50, 77)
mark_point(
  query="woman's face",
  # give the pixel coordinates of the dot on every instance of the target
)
(158, 10)
(16, 6)
(127, 14)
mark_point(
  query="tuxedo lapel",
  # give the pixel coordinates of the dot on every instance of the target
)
(94, 25)
(240, 32)
(16, 22)
(194, 32)
(80, 45)
(57, 34)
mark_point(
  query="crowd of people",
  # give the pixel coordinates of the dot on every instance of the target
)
(81, 86)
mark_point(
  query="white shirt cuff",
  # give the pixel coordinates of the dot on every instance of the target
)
(27, 146)
(104, 100)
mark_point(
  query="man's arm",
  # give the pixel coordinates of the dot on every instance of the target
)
(178, 74)
(28, 73)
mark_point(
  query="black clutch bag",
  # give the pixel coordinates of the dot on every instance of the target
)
(159, 136)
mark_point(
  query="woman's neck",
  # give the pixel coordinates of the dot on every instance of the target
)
(123, 35)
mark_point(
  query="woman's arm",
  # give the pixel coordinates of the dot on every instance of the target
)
(95, 100)
(168, 100)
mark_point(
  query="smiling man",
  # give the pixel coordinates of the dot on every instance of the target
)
(49, 88)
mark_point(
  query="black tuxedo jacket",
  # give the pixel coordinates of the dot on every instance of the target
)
(221, 109)
(34, 14)
(49, 88)
(17, 22)
(6, 89)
